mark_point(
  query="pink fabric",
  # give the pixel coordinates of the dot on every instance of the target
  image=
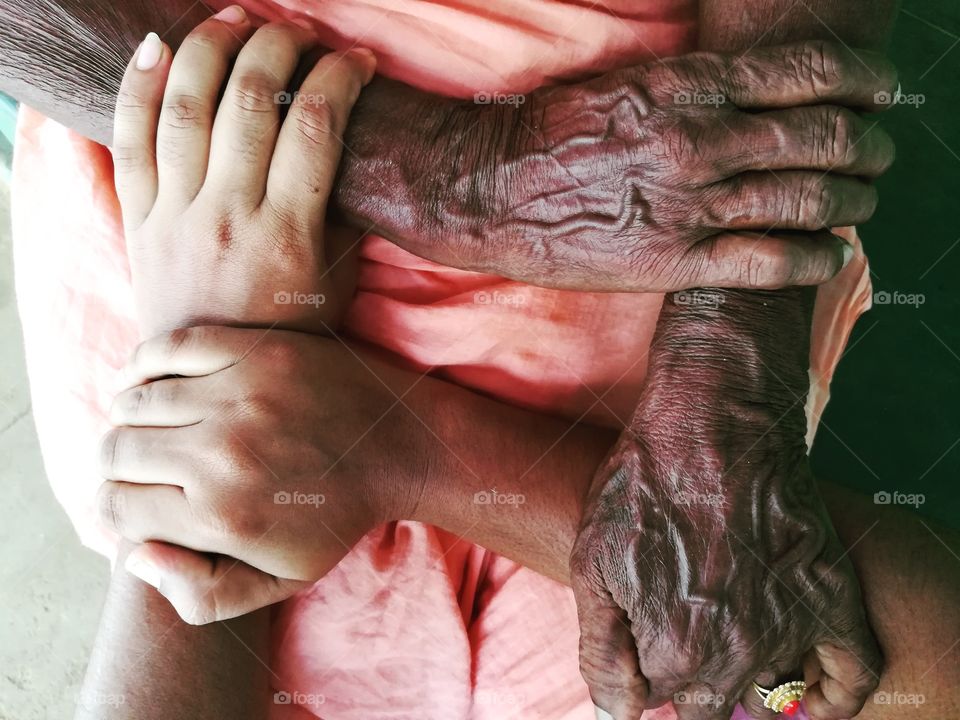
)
(413, 623)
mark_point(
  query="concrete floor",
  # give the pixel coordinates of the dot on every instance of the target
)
(51, 588)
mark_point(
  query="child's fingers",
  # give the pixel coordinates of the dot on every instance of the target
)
(308, 150)
(206, 588)
(135, 129)
(247, 124)
(190, 102)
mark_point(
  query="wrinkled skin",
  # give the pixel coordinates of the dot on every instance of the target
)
(614, 185)
(706, 559)
(618, 185)
(529, 258)
(594, 185)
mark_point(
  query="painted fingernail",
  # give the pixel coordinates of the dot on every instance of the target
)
(233, 15)
(602, 714)
(148, 55)
(148, 572)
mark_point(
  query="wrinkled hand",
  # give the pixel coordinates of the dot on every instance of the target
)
(669, 175)
(706, 559)
(224, 201)
(280, 479)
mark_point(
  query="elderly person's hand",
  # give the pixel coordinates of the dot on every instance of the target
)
(706, 560)
(669, 175)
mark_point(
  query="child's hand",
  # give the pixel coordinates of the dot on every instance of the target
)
(223, 200)
(249, 463)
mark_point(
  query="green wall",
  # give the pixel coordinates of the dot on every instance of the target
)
(894, 421)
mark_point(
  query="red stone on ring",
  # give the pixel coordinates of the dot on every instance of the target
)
(791, 708)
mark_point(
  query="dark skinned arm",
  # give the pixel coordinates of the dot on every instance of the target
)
(726, 540)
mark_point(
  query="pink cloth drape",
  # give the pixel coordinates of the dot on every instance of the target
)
(413, 623)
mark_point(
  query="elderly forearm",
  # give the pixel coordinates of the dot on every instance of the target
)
(750, 335)
(768, 332)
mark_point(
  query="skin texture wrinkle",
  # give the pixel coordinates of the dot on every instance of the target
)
(584, 212)
(787, 585)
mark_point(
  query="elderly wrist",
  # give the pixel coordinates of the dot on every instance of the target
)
(422, 171)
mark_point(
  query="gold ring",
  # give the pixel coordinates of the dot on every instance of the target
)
(783, 698)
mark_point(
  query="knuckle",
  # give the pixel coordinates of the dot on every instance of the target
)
(130, 158)
(204, 37)
(133, 403)
(108, 453)
(731, 205)
(184, 111)
(130, 102)
(817, 204)
(236, 457)
(820, 64)
(109, 505)
(139, 354)
(754, 270)
(176, 341)
(315, 123)
(841, 138)
(253, 92)
(675, 147)
(244, 523)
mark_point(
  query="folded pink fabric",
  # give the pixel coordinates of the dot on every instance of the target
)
(414, 623)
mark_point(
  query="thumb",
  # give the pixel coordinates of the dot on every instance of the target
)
(608, 655)
(767, 261)
(207, 588)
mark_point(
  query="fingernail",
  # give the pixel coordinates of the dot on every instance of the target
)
(148, 55)
(848, 253)
(368, 59)
(602, 714)
(148, 572)
(233, 15)
(896, 97)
